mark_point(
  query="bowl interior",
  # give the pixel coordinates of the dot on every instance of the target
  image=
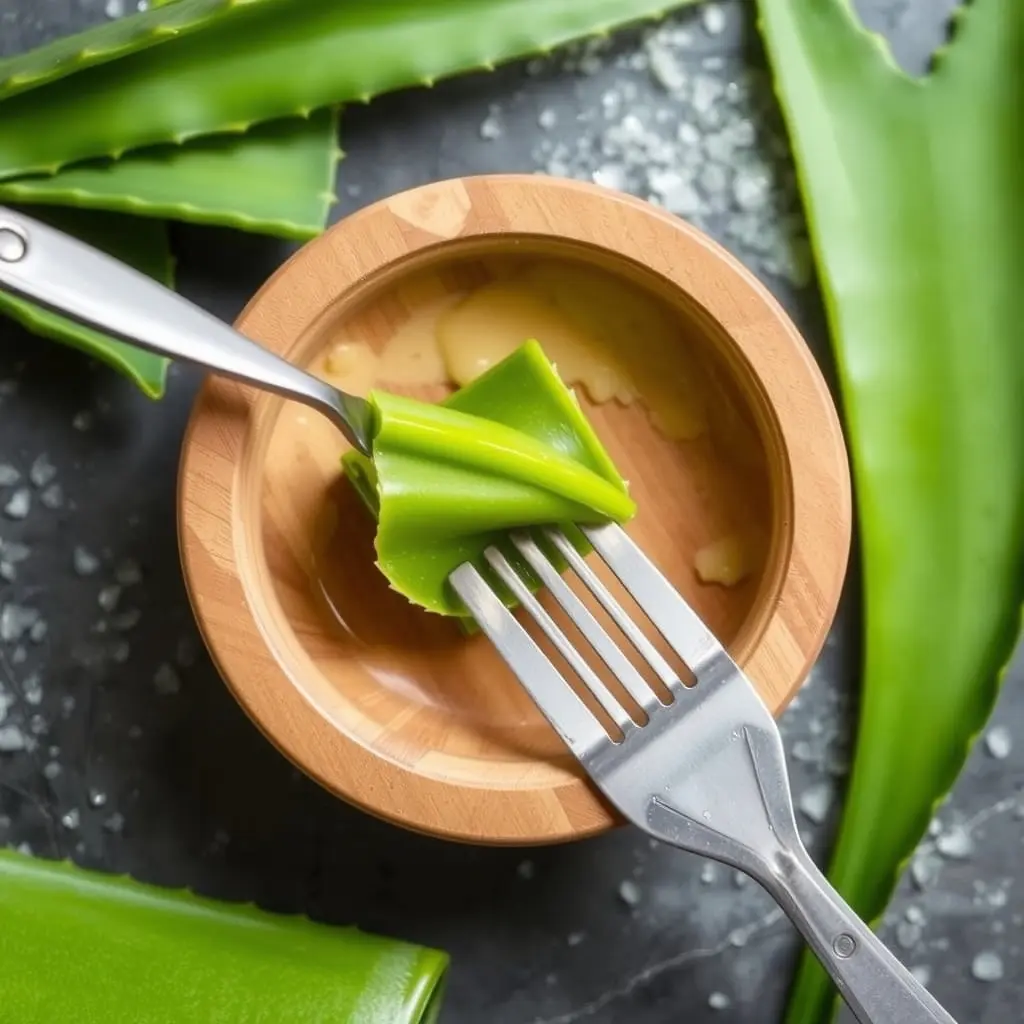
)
(411, 686)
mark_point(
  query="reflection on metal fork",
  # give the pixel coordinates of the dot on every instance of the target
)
(703, 769)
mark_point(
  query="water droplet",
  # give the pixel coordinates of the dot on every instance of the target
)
(987, 966)
(42, 471)
(12, 739)
(490, 127)
(816, 801)
(84, 561)
(999, 742)
(956, 843)
(629, 893)
(923, 973)
(15, 621)
(115, 823)
(547, 119)
(19, 504)
(166, 680)
(611, 176)
(714, 19)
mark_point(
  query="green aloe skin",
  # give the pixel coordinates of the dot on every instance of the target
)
(277, 179)
(78, 945)
(912, 192)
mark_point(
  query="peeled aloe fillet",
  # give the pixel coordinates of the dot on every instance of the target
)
(79, 945)
(277, 179)
(270, 59)
(143, 245)
(913, 196)
(511, 449)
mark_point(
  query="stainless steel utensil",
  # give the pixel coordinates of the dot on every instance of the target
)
(705, 772)
(78, 281)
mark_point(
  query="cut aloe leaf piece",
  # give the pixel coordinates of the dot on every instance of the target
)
(79, 945)
(510, 449)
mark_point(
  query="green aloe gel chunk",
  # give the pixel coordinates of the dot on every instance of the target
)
(444, 482)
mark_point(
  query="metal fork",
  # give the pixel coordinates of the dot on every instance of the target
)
(706, 772)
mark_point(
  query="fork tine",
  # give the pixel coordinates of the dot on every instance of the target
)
(561, 706)
(563, 645)
(608, 650)
(618, 614)
(677, 622)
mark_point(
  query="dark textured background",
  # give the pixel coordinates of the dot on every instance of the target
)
(181, 790)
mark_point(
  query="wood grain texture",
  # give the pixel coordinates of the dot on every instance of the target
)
(394, 709)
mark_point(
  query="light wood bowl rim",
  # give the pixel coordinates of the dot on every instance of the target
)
(773, 346)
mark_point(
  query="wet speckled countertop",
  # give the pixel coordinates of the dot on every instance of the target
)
(141, 762)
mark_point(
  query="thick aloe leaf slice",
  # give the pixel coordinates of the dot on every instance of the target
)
(912, 190)
(141, 243)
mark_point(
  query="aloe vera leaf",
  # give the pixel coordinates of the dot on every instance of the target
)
(287, 166)
(111, 40)
(510, 449)
(143, 245)
(78, 945)
(912, 189)
(265, 60)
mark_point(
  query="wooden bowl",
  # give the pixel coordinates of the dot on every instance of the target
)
(393, 708)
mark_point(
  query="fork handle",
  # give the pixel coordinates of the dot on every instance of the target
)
(877, 987)
(63, 274)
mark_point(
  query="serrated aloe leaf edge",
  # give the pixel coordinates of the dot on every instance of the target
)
(110, 40)
(289, 166)
(272, 60)
(276, 179)
(911, 189)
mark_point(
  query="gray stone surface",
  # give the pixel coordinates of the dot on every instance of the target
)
(139, 761)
